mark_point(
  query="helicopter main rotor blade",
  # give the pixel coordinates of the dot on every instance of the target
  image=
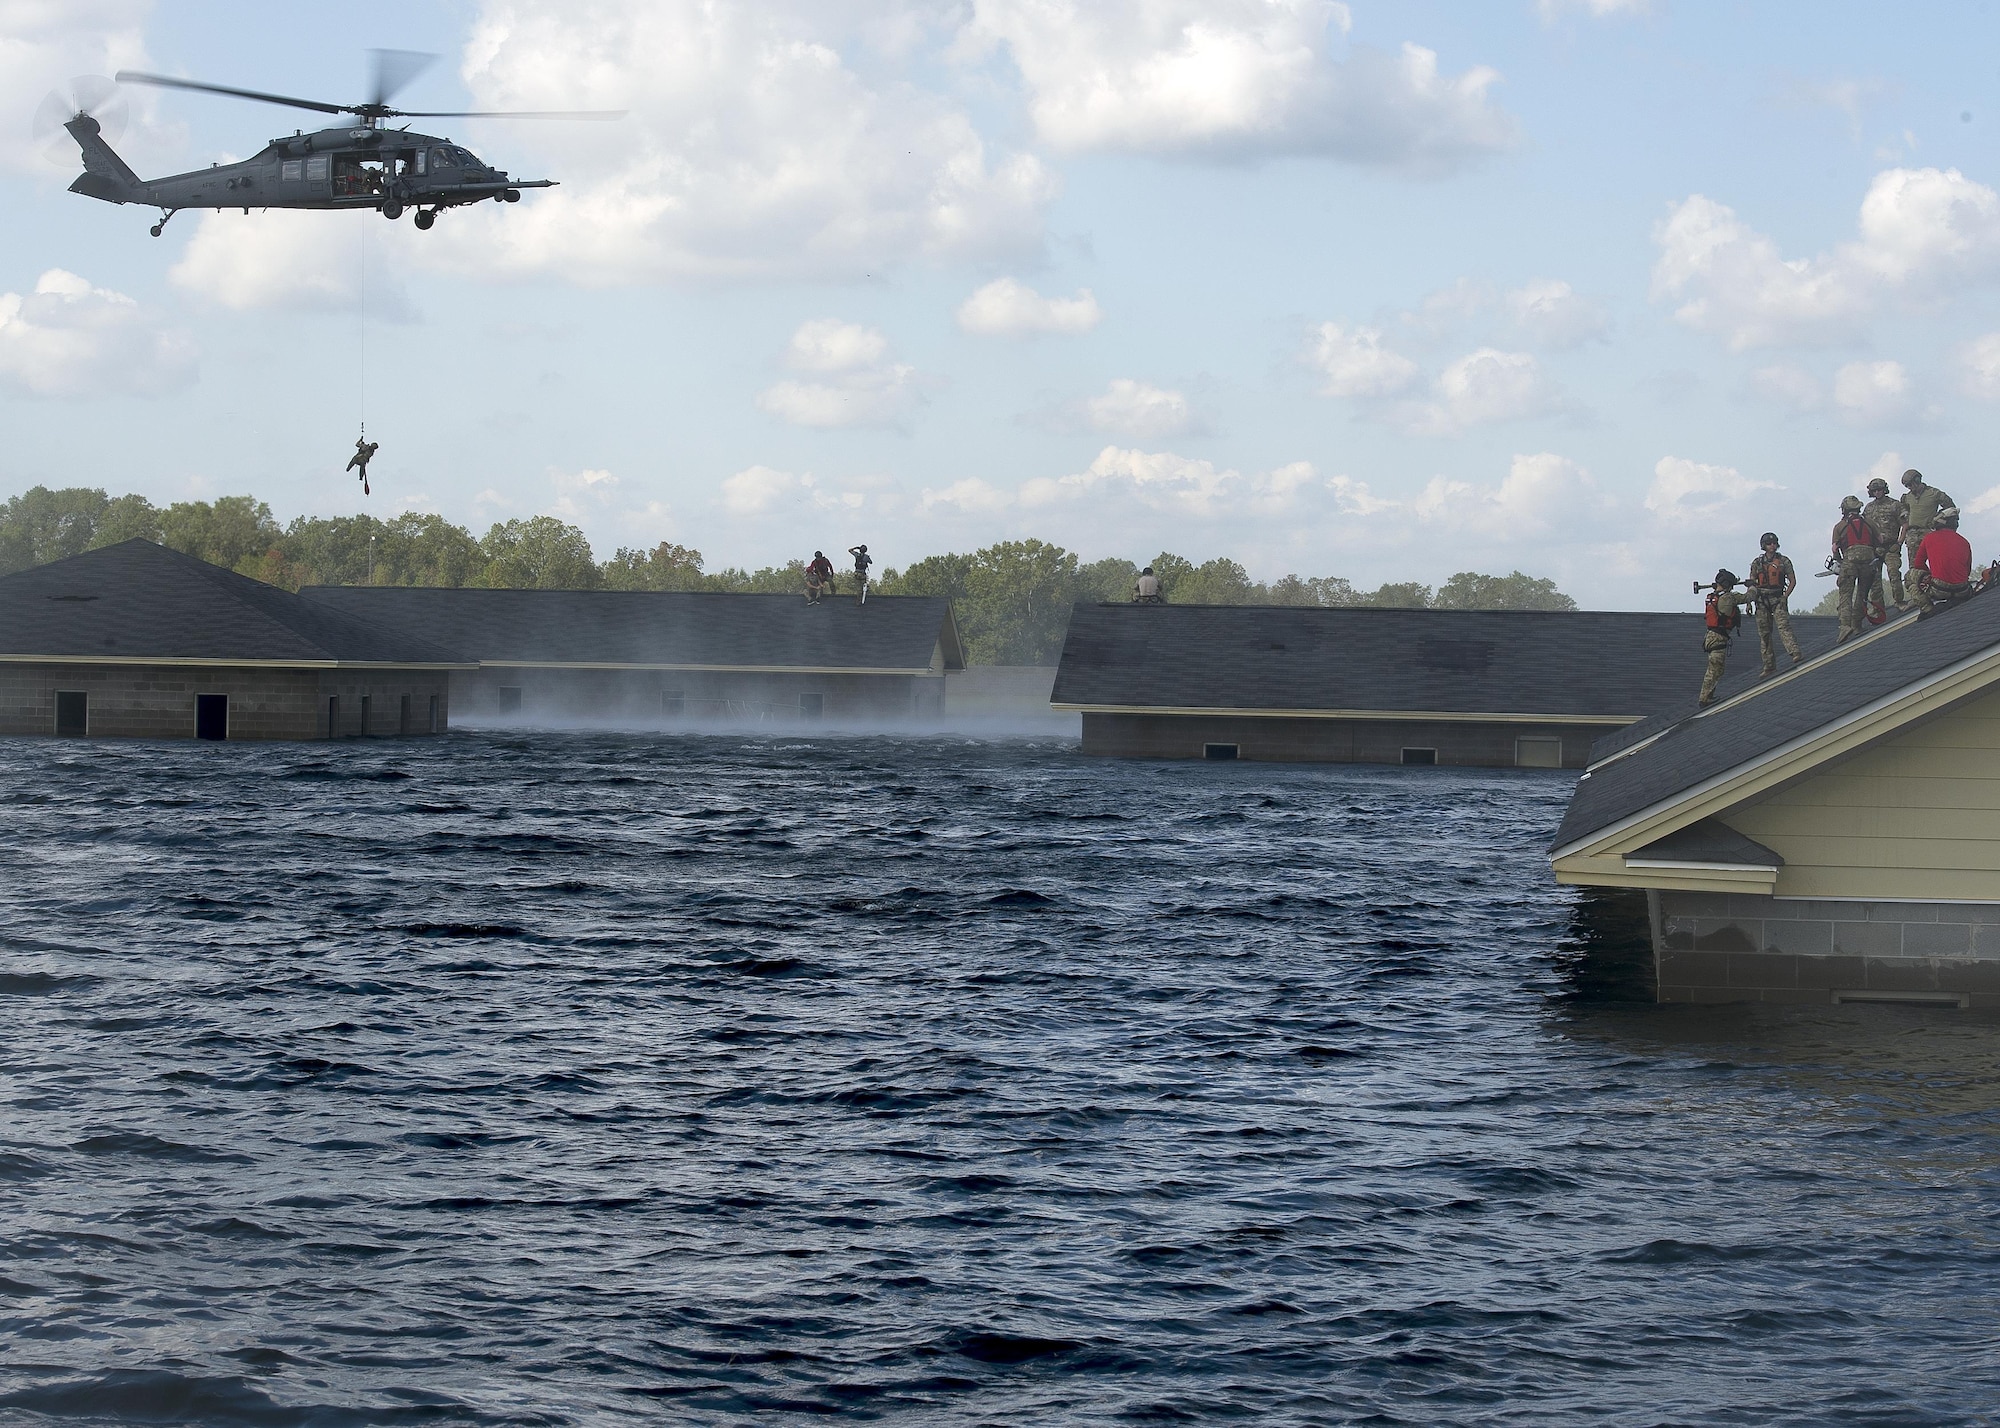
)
(508, 113)
(133, 76)
(393, 70)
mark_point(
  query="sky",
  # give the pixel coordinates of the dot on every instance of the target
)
(1593, 289)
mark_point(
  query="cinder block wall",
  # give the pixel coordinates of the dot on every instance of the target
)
(1333, 741)
(158, 701)
(1716, 947)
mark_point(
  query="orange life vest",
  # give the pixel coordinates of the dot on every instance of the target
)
(1716, 620)
(1768, 572)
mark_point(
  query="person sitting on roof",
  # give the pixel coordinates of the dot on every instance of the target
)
(1146, 591)
(819, 578)
(1942, 565)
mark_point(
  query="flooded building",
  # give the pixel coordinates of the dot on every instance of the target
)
(1830, 834)
(138, 641)
(1495, 688)
(647, 656)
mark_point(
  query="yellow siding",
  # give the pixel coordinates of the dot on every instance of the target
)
(1916, 816)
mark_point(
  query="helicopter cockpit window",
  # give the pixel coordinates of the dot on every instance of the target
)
(440, 158)
(292, 170)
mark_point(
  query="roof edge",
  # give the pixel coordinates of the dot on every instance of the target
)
(1433, 715)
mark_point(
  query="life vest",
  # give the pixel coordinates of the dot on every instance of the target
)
(1856, 531)
(1767, 574)
(1714, 618)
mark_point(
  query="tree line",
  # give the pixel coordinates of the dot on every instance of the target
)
(1011, 599)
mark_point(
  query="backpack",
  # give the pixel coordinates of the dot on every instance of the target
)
(1714, 618)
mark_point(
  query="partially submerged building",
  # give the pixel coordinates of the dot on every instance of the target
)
(1830, 834)
(138, 641)
(1505, 688)
(647, 656)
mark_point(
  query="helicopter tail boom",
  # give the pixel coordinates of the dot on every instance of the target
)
(105, 175)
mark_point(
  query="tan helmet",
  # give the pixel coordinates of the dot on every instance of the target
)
(1949, 517)
(1913, 478)
(1878, 487)
(1850, 505)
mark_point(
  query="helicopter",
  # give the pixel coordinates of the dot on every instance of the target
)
(363, 165)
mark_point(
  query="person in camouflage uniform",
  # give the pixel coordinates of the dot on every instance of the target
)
(1920, 512)
(1772, 581)
(1886, 514)
(1715, 639)
(1854, 546)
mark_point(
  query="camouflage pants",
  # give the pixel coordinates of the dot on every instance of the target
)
(1934, 595)
(1859, 573)
(1892, 570)
(1775, 610)
(1717, 648)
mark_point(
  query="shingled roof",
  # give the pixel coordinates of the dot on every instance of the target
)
(137, 602)
(1961, 645)
(1586, 666)
(653, 629)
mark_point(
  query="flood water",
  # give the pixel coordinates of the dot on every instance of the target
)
(520, 1078)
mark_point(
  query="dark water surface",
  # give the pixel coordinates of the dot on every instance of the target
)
(546, 1078)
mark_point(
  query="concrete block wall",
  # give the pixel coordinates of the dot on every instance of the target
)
(129, 701)
(1717, 947)
(1465, 743)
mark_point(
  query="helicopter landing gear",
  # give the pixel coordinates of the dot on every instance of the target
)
(392, 211)
(512, 195)
(425, 218)
(165, 214)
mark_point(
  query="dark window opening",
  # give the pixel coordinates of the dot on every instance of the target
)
(333, 716)
(364, 716)
(1538, 751)
(1221, 751)
(1420, 756)
(211, 716)
(434, 713)
(72, 713)
(510, 699)
(403, 717)
(812, 705)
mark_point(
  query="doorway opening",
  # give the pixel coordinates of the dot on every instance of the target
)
(72, 714)
(211, 716)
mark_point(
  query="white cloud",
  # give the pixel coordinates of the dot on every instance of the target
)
(857, 386)
(970, 496)
(1166, 482)
(1233, 79)
(1552, 10)
(753, 150)
(1542, 496)
(582, 493)
(1142, 411)
(1354, 363)
(760, 490)
(1886, 467)
(69, 339)
(1874, 393)
(1008, 308)
(1694, 492)
(295, 260)
(1550, 312)
(1480, 389)
(1789, 386)
(1979, 363)
(1923, 234)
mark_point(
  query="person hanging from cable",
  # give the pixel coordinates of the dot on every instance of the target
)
(364, 452)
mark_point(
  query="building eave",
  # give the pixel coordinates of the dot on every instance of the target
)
(1424, 715)
(210, 662)
(698, 668)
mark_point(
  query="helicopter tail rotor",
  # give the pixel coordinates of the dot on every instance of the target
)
(91, 94)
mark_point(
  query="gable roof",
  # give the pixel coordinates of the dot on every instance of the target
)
(1867, 687)
(663, 629)
(1592, 666)
(137, 602)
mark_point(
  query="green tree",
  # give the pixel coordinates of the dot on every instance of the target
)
(426, 549)
(665, 567)
(230, 531)
(540, 553)
(945, 575)
(1407, 595)
(1216, 582)
(1325, 590)
(41, 525)
(1468, 590)
(786, 579)
(127, 518)
(1106, 581)
(1017, 601)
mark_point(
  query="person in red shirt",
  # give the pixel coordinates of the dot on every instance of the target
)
(1943, 564)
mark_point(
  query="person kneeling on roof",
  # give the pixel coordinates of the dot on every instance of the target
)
(819, 578)
(1721, 619)
(1147, 589)
(1942, 565)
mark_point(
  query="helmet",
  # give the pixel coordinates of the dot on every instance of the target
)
(1948, 516)
(1768, 538)
(861, 547)
(1878, 487)
(1147, 571)
(1725, 577)
(1850, 504)
(1913, 478)
(819, 555)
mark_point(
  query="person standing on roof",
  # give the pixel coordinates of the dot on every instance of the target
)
(1772, 581)
(1146, 589)
(1855, 554)
(1886, 514)
(819, 578)
(1942, 567)
(1921, 507)
(1721, 619)
(862, 560)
